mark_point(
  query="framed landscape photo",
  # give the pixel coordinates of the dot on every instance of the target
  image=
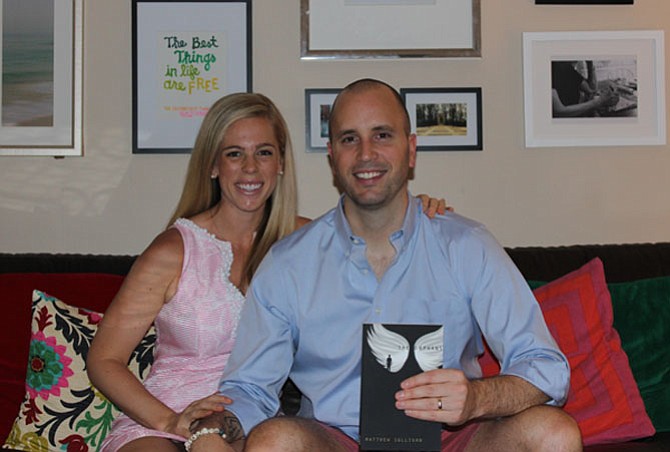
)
(318, 103)
(41, 108)
(594, 88)
(186, 55)
(369, 28)
(445, 119)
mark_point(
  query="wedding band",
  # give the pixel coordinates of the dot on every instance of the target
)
(439, 404)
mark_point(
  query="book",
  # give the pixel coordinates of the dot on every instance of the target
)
(391, 354)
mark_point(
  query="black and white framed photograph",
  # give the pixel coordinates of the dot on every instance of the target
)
(445, 119)
(430, 29)
(42, 71)
(186, 55)
(318, 103)
(584, 2)
(594, 88)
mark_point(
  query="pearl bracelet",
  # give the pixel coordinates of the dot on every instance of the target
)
(201, 432)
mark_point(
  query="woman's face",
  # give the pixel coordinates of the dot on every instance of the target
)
(248, 164)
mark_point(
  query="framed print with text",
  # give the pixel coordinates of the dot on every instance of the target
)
(369, 28)
(445, 119)
(318, 103)
(41, 110)
(186, 55)
(594, 88)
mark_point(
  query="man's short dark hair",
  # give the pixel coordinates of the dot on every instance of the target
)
(363, 85)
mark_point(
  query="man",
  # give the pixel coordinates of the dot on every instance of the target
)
(375, 258)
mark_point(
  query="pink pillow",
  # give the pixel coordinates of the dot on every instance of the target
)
(604, 398)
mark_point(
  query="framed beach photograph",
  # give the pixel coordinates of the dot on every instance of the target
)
(318, 103)
(186, 55)
(594, 88)
(430, 29)
(445, 119)
(41, 110)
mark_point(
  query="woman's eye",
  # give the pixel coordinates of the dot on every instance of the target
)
(233, 154)
(265, 152)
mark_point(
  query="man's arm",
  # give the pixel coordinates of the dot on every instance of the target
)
(446, 395)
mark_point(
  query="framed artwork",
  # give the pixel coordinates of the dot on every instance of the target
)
(186, 55)
(583, 2)
(430, 28)
(594, 88)
(445, 119)
(41, 110)
(318, 103)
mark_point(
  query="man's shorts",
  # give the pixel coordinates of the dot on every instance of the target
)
(455, 440)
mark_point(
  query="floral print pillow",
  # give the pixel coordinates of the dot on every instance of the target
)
(62, 411)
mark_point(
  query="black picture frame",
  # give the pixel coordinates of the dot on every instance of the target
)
(185, 56)
(445, 119)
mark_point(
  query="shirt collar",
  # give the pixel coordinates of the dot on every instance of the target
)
(399, 238)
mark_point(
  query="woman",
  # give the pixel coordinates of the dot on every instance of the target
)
(239, 198)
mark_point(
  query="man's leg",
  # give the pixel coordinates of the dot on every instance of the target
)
(540, 428)
(294, 434)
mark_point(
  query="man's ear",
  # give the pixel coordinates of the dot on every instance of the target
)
(412, 150)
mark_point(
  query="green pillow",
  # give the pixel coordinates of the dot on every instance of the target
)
(642, 319)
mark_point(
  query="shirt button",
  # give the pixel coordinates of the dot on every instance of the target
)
(365, 271)
(378, 311)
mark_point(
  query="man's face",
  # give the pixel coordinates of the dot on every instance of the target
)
(371, 152)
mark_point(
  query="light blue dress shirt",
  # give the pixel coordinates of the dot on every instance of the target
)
(311, 294)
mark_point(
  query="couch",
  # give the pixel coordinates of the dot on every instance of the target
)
(634, 273)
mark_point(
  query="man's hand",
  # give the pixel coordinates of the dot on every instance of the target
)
(447, 396)
(441, 395)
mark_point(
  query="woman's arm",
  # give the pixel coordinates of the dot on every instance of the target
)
(150, 283)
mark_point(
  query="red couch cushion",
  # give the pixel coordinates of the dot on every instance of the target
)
(87, 290)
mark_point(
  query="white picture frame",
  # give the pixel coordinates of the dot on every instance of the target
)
(48, 118)
(631, 64)
(347, 29)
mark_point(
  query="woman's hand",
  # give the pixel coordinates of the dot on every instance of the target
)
(433, 206)
(181, 422)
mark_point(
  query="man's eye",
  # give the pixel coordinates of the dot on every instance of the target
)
(348, 139)
(384, 135)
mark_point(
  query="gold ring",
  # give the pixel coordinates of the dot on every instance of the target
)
(439, 404)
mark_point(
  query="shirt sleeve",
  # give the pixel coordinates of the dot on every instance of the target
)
(510, 317)
(261, 358)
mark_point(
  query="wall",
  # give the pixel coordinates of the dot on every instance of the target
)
(111, 201)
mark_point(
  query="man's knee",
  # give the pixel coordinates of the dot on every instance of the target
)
(541, 428)
(552, 429)
(289, 434)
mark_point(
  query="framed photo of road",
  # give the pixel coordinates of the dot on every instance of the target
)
(445, 119)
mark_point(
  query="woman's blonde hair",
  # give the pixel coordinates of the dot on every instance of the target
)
(201, 192)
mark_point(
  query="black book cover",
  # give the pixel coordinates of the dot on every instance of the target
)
(391, 354)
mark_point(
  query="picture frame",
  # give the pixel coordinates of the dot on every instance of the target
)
(42, 70)
(584, 2)
(185, 56)
(445, 119)
(623, 103)
(318, 102)
(431, 29)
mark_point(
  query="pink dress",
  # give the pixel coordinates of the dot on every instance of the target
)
(195, 332)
